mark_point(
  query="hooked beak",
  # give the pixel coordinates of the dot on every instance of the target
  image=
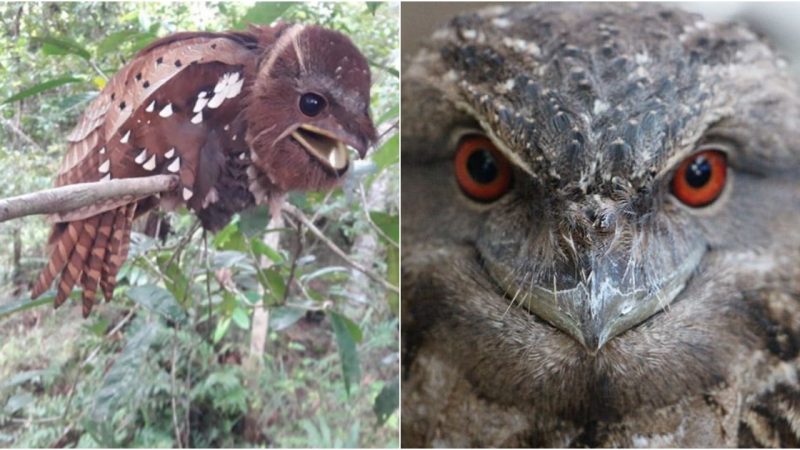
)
(606, 304)
(330, 148)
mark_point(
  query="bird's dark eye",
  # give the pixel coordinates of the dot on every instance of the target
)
(700, 178)
(482, 172)
(312, 104)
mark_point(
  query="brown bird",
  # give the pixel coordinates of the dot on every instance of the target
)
(601, 232)
(240, 117)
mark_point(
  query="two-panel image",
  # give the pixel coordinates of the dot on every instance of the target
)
(399, 224)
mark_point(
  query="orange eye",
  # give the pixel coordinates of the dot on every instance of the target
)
(700, 178)
(482, 172)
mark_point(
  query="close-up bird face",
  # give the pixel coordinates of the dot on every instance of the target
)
(588, 214)
(311, 106)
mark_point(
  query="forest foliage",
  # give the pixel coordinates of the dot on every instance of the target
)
(169, 362)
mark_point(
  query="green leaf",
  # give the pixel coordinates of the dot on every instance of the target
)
(231, 238)
(176, 281)
(373, 6)
(390, 114)
(18, 402)
(24, 304)
(282, 317)
(24, 377)
(75, 100)
(41, 87)
(113, 41)
(387, 401)
(122, 382)
(254, 221)
(159, 300)
(222, 329)
(342, 328)
(98, 327)
(241, 319)
(264, 13)
(393, 277)
(262, 249)
(63, 46)
(388, 223)
(224, 234)
(388, 154)
(275, 283)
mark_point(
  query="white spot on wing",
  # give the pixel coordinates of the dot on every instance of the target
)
(201, 103)
(187, 194)
(167, 111)
(234, 89)
(150, 164)
(141, 157)
(107, 177)
(202, 94)
(125, 138)
(103, 151)
(170, 153)
(197, 118)
(151, 107)
(216, 100)
(175, 165)
(105, 166)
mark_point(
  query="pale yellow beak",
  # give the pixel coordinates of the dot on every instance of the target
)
(323, 145)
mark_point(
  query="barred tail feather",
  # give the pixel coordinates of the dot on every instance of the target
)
(88, 252)
(62, 240)
(93, 269)
(77, 260)
(117, 249)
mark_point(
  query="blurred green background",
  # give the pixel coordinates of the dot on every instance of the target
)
(174, 360)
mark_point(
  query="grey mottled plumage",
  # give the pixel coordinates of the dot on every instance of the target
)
(588, 306)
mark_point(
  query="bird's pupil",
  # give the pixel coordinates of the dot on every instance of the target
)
(699, 172)
(311, 104)
(482, 166)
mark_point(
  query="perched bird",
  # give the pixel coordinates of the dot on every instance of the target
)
(601, 232)
(240, 117)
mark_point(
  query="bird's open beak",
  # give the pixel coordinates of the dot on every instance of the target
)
(329, 147)
(608, 303)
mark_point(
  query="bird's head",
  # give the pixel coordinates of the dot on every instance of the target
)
(594, 202)
(309, 108)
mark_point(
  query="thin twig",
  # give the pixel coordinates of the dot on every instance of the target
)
(369, 219)
(293, 268)
(174, 387)
(64, 199)
(97, 69)
(291, 210)
(18, 131)
(123, 321)
(183, 242)
(208, 283)
(384, 134)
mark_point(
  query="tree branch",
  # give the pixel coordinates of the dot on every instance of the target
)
(297, 214)
(74, 196)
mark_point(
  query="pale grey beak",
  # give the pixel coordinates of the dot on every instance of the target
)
(608, 303)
